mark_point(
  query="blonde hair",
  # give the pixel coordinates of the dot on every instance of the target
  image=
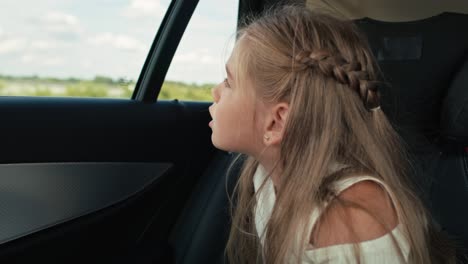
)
(323, 68)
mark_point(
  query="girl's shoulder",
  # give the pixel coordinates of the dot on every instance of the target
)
(362, 210)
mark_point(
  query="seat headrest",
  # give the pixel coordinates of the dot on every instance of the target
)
(454, 116)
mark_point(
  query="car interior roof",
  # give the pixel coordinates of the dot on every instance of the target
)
(390, 11)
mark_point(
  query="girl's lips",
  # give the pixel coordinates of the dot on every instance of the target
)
(210, 123)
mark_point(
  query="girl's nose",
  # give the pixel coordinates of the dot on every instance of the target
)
(215, 93)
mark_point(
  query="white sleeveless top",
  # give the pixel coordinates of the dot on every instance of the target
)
(380, 250)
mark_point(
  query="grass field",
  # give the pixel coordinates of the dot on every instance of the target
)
(98, 87)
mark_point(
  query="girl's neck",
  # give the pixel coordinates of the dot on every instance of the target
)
(269, 159)
(272, 169)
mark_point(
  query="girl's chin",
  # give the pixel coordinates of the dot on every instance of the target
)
(218, 144)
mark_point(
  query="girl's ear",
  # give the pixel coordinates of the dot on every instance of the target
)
(275, 124)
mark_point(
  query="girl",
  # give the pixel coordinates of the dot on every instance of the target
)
(325, 177)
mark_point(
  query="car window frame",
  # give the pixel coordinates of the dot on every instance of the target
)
(162, 50)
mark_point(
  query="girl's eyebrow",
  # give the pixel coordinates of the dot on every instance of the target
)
(228, 72)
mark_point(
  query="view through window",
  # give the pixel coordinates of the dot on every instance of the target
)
(96, 48)
(199, 61)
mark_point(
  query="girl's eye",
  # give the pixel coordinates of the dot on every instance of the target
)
(226, 83)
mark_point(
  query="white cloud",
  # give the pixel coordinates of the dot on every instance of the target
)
(38, 59)
(119, 41)
(186, 57)
(62, 24)
(207, 59)
(60, 18)
(87, 64)
(41, 35)
(43, 45)
(196, 57)
(210, 25)
(138, 8)
(53, 61)
(11, 45)
(27, 58)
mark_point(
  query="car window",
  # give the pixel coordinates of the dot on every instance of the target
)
(198, 63)
(84, 48)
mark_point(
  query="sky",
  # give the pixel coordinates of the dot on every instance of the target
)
(85, 38)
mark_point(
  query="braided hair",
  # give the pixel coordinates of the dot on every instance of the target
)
(349, 73)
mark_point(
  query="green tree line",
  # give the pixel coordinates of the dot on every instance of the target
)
(100, 86)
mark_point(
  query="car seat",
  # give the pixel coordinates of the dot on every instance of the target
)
(426, 64)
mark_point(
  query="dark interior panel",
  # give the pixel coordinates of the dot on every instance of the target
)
(39, 195)
(71, 130)
(79, 129)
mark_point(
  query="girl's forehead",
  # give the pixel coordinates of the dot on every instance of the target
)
(231, 67)
(232, 58)
(239, 47)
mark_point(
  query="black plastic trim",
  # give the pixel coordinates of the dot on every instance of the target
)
(163, 49)
(37, 196)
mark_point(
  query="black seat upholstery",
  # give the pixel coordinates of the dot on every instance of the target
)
(419, 60)
(201, 233)
(450, 189)
(426, 64)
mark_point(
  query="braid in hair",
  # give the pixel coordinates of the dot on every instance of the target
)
(345, 72)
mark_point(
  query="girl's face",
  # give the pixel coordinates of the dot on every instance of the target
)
(233, 112)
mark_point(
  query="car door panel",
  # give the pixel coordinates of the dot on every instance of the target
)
(38, 195)
(100, 163)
